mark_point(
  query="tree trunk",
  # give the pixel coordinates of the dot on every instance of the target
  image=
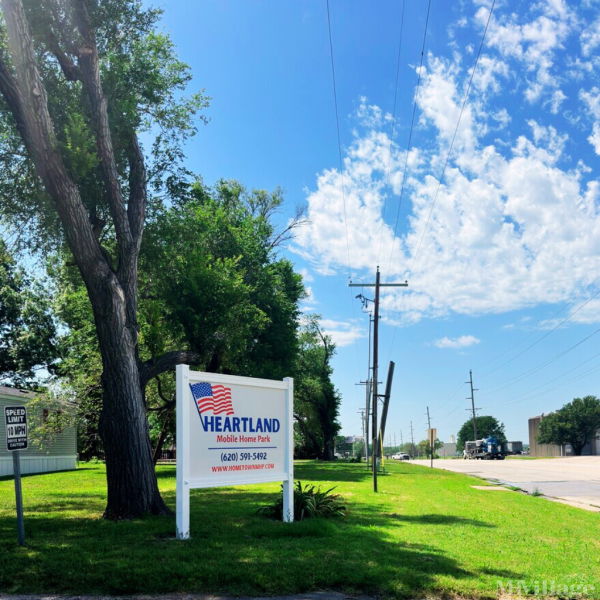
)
(164, 430)
(123, 422)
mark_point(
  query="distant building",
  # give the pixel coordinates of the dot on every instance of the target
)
(448, 449)
(59, 455)
(536, 449)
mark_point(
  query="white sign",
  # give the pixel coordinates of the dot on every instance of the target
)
(232, 431)
(15, 418)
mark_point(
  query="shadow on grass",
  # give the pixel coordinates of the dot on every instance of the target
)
(232, 551)
(434, 519)
(48, 474)
(323, 471)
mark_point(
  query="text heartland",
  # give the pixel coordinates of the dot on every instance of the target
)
(240, 424)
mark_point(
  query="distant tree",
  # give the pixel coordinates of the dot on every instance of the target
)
(424, 448)
(487, 426)
(27, 329)
(576, 423)
(316, 400)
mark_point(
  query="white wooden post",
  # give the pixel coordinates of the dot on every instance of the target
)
(183, 449)
(288, 484)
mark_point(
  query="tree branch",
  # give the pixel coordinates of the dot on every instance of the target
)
(26, 97)
(155, 366)
(69, 68)
(90, 76)
(167, 403)
(136, 208)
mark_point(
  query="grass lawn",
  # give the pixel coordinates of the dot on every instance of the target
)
(427, 532)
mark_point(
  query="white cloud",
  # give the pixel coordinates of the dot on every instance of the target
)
(590, 38)
(532, 41)
(309, 303)
(464, 341)
(343, 333)
(344, 216)
(515, 221)
(591, 100)
(594, 138)
(306, 275)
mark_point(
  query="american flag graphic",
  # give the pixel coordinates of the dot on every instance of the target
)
(212, 397)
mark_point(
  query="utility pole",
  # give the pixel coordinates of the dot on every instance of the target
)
(472, 398)
(386, 401)
(430, 436)
(361, 412)
(377, 285)
(412, 439)
(367, 412)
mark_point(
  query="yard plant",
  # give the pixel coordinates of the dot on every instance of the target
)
(309, 502)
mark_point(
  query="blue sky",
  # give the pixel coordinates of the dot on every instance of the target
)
(494, 218)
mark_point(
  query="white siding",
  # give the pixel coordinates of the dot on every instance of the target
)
(38, 464)
(59, 455)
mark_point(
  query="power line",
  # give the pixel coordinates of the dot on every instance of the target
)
(337, 123)
(545, 364)
(412, 124)
(393, 133)
(466, 97)
(547, 333)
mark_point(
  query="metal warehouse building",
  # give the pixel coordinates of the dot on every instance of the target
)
(60, 455)
(537, 449)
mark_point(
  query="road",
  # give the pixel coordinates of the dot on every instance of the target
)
(573, 480)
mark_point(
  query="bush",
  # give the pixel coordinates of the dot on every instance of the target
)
(308, 503)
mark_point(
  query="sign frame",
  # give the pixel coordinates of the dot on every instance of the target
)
(16, 445)
(185, 480)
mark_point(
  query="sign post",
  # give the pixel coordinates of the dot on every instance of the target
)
(232, 431)
(15, 418)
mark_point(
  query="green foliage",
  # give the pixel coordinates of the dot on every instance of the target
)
(50, 412)
(576, 423)
(309, 502)
(316, 401)
(210, 282)
(145, 83)
(209, 268)
(424, 448)
(486, 426)
(27, 328)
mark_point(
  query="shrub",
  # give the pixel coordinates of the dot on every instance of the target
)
(308, 503)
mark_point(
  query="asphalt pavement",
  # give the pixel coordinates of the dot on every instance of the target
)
(574, 480)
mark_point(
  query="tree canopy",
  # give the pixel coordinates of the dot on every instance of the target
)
(27, 327)
(576, 423)
(316, 400)
(487, 426)
(79, 82)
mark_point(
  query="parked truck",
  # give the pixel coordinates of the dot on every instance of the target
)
(485, 449)
(514, 447)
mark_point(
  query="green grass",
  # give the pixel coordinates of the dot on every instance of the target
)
(427, 532)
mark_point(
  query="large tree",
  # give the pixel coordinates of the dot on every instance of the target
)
(211, 282)
(576, 423)
(487, 426)
(79, 80)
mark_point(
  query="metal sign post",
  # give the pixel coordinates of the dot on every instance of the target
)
(15, 418)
